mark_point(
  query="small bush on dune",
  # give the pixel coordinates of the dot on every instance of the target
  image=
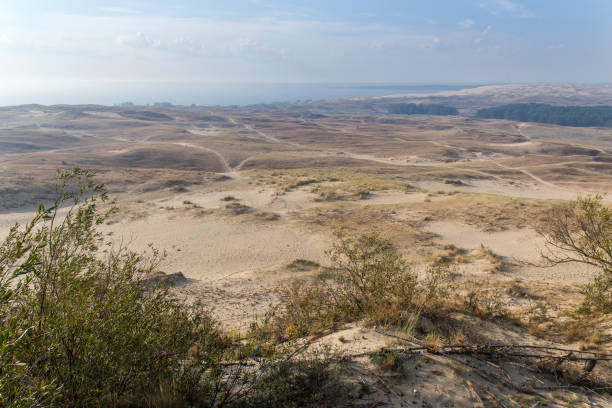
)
(369, 280)
(581, 232)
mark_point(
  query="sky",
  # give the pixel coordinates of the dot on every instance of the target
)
(63, 46)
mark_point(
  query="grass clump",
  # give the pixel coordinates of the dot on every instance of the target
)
(388, 359)
(236, 208)
(485, 302)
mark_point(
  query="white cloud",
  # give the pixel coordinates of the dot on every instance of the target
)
(150, 47)
(136, 40)
(119, 10)
(484, 33)
(509, 7)
(5, 40)
(465, 24)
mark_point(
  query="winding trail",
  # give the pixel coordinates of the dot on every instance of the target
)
(527, 173)
(227, 168)
(519, 128)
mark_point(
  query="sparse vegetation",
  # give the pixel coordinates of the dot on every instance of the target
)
(80, 328)
(581, 232)
(369, 280)
(236, 208)
(422, 109)
(291, 176)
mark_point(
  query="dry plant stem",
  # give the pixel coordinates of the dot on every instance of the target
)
(499, 349)
(494, 398)
(388, 387)
(474, 393)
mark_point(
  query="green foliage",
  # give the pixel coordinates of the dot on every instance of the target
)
(80, 329)
(560, 115)
(369, 280)
(422, 109)
(581, 231)
(388, 359)
(372, 275)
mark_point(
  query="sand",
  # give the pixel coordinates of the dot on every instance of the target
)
(521, 247)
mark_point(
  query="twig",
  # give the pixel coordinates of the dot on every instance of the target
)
(387, 386)
(303, 347)
(413, 341)
(503, 349)
(475, 394)
(494, 398)
(490, 376)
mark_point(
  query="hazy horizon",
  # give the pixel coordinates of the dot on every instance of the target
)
(220, 94)
(103, 51)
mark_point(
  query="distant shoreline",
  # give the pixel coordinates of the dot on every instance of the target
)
(201, 94)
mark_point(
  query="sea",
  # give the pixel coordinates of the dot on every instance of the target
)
(216, 94)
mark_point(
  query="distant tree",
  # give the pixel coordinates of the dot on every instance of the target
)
(559, 115)
(422, 109)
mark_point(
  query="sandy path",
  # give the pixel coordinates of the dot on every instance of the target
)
(529, 174)
(227, 168)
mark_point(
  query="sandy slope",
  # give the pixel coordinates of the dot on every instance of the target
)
(208, 249)
(518, 246)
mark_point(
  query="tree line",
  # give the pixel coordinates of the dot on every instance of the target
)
(543, 113)
(422, 109)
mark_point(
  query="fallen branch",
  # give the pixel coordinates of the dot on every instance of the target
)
(494, 398)
(510, 350)
(475, 394)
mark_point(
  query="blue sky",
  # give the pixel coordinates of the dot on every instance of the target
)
(50, 45)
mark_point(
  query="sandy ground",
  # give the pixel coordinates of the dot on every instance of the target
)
(207, 244)
(210, 249)
(520, 247)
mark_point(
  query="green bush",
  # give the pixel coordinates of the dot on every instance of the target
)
(82, 326)
(369, 280)
(581, 232)
(78, 326)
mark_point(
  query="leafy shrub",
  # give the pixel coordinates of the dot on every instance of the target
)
(581, 231)
(369, 280)
(79, 328)
(84, 325)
